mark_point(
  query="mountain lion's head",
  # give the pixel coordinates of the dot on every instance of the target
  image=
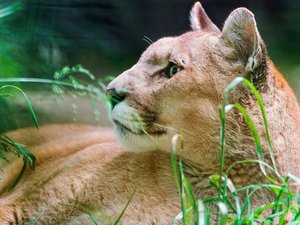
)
(178, 83)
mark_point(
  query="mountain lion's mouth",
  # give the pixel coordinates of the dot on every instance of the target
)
(128, 121)
(123, 128)
(153, 132)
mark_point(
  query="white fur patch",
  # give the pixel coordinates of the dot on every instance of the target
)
(128, 117)
(131, 133)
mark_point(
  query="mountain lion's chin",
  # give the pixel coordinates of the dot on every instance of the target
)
(142, 141)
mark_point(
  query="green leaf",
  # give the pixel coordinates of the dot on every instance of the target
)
(28, 158)
(294, 178)
(224, 213)
(27, 101)
(3, 155)
(10, 9)
(254, 134)
(233, 84)
(81, 69)
(263, 112)
(123, 211)
(263, 208)
(200, 219)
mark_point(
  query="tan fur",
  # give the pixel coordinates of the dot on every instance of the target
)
(81, 166)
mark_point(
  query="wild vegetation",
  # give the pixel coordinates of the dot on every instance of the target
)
(63, 80)
(231, 209)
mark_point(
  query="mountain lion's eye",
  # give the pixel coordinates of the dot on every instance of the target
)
(171, 70)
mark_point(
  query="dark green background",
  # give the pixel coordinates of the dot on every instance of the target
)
(106, 36)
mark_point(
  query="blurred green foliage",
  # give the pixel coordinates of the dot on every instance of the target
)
(38, 37)
(9, 47)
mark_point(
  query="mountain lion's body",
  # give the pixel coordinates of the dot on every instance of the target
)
(176, 87)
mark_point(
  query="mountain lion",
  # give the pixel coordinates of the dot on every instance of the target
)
(176, 87)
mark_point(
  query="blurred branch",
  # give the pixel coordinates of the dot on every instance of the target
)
(10, 9)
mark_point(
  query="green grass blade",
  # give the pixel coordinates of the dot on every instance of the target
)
(255, 135)
(214, 181)
(263, 112)
(208, 200)
(34, 118)
(92, 212)
(233, 84)
(222, 114)
(179, 176)
(88, 88)
(279, 197)
(294, 178)
(224, 213)
(201, 213)
(17, 180)
(235, 196)
(28, 158)
(246, 204)
(262, 208)
(297, 215)
(3, 155)
(11, 8)
(191, 202)
(207, 213)
(282, 219)
(183, 195)
(93, 219)
(174, 158)
(123, 211)
(295, 223)
(228, 89)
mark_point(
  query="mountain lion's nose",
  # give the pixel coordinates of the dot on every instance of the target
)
(115, 96)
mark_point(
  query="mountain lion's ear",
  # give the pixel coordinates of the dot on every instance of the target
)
(200, 21)
(241, 35)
